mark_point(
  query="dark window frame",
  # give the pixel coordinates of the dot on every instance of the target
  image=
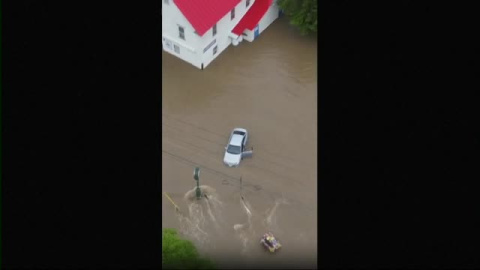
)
(181, 32)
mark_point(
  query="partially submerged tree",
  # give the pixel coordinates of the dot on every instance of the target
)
(179, 253)
(302, 13)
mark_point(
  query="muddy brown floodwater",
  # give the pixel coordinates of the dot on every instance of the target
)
(268, 87)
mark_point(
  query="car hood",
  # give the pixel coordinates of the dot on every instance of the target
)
(231, 159)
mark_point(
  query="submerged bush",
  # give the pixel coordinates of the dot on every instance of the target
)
(302, 14)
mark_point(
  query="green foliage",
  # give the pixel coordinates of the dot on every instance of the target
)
(302, 13)
(179, 253)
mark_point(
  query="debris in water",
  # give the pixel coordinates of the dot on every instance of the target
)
(269, 242)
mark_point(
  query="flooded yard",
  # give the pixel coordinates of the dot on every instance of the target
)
(268, 87)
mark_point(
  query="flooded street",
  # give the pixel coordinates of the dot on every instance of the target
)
(268, 87)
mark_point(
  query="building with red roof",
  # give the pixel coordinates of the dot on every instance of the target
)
(197, 31)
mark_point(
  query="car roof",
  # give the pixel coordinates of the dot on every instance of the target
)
(236, 140)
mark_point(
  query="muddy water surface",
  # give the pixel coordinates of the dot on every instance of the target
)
(268, 87)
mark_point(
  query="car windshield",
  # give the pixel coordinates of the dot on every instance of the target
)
(235, 150)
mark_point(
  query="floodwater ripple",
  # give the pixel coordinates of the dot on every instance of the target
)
(268, 87)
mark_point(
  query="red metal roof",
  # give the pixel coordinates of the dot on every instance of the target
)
(253, 16)
(203, 14)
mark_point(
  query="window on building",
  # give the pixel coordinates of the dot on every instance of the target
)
(215, 50)
(214, 30)
(168, 44)
(181, 32)
(176, 48)
(248, 3)
(232, 14)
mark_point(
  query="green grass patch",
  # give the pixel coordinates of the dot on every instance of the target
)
(178, 253)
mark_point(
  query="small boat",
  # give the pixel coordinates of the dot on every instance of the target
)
(269, 242)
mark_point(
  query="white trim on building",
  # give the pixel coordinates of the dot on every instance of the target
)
(179, 38)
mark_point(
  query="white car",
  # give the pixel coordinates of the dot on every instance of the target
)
(235, 147)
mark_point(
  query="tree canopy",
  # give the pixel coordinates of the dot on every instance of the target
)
(302, 13)
(179, 253)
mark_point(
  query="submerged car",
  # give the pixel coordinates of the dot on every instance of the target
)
(235, 147)
(270, 243)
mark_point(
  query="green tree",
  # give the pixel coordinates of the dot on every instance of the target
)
(302, 13)
(179, 253)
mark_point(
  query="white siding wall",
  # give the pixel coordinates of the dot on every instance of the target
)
(249, 35)
(192, 48)
(269, 17)
(224, 28)
(189, 48)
